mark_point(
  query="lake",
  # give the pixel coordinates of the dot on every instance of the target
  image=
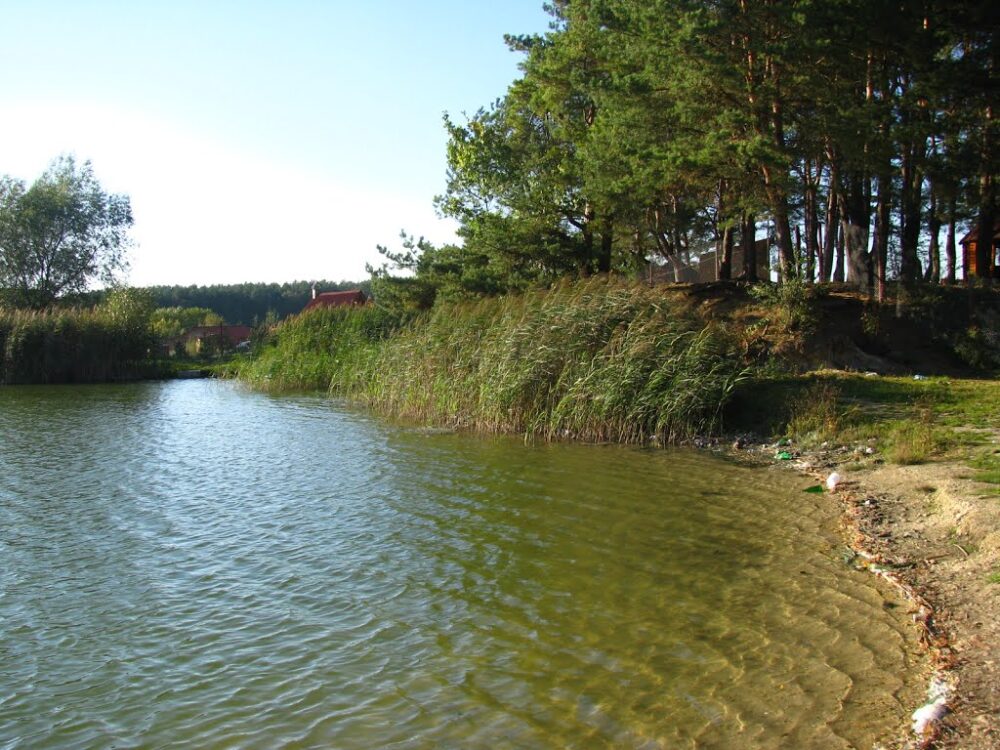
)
(190, 564)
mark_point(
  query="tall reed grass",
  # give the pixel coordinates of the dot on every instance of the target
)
(71, 346)
(308, 351)
(597, 360)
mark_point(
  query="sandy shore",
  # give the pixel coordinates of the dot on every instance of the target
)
(936, 533)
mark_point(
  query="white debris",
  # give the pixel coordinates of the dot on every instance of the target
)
(935, 708)
(832, 481)
(926, 715)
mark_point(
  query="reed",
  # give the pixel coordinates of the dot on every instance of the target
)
(70, 346)
(596, 360)
(310, 351)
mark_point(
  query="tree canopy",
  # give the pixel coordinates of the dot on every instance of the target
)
(850, 132)
(60, 235)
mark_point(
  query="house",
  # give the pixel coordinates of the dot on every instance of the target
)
(222, 338)
(348, 298)
(969, 243)
(706, 266)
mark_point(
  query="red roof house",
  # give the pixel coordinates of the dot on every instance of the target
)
(337, 299)
(194, 339)
(230, 335)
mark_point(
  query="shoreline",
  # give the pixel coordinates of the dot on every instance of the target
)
(886, 524)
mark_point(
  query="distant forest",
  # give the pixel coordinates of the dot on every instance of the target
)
(246, 304)
(249, 303)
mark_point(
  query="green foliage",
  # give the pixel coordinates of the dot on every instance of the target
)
(129, 310)
(913, 441)
(108, 342)
(59, 235)
(792, 304)
(168, 322)
(645, 131)
(432, 273)
(987, 466)
(979, 344)
(596, 360)
(306, 352)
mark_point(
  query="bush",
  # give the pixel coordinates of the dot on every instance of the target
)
(793, 303)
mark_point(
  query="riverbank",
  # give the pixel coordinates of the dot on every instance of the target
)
(933, 529)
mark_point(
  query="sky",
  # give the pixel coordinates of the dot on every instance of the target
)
(258, 141)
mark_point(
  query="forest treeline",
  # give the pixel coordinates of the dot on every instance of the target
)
(250, 303)
(859, 135)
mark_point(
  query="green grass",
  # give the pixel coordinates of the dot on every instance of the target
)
(988, 467)
(911, 421)
(608, 360)
(912, 441)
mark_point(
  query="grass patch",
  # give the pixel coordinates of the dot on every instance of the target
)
(911, 420)
(815, 415)
(994, 578)
(987, 467)
(913, 441)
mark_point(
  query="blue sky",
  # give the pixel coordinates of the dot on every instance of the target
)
(258, 141)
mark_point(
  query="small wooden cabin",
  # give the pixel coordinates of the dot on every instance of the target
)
(969, 243)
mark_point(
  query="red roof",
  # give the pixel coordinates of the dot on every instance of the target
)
(337, 299)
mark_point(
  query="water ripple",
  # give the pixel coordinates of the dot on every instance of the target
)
(191, 565)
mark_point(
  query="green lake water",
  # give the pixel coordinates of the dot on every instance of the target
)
(191, 565)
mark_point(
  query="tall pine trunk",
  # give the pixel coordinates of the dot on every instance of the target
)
(949, 246)
(882, 230)
(987, 188)
(910, 199)
(724, 248)
(748, 236)
(812, 233)
(854, 225)
(832, 226)
(933, 250)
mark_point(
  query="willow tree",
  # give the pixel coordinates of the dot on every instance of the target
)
(60, 234)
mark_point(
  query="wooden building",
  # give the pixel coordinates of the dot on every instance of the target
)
(969, 244)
